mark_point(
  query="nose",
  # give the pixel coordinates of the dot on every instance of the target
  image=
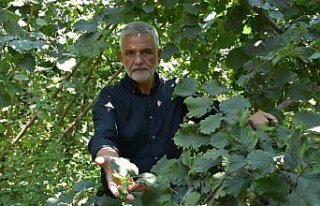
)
(138, 59)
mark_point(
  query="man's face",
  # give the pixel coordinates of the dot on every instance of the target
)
(140, 57)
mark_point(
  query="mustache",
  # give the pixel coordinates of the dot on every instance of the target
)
(139, 69)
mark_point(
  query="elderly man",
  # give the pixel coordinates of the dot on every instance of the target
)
(136, 118)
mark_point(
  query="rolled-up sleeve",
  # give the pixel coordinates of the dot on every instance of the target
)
(105, 124)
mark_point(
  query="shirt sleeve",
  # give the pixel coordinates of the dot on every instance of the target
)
(105, 124)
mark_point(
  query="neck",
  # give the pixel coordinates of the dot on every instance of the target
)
(146, 87)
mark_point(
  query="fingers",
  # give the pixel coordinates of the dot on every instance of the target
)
(105, 163)
(262, 118)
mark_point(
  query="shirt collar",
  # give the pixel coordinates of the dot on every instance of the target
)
(132, 85)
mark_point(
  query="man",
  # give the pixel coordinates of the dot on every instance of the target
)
(136, 118)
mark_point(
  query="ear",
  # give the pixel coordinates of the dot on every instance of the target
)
(159, 52)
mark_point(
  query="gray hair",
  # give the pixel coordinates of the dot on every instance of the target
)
(139, 28)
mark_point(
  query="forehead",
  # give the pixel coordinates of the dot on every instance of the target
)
(132, 41)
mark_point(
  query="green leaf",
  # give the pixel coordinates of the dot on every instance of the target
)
(27, 62)
(247, 138)
(192, 198)
(300, 90)
(213, 88)
(185, 87)
(198, 106)
(10, 23)
(236, 58)
(261, 161)
(306, 193)
(5, 39)
(191, 8)
(307, 119)
(168, 51)
(86, 26)
(83, 185)
(190, 138)
(169, 3)
(294, 154)
(315, 55)
(234, 105)
(170, 171)
(219, 140)
(266, 187)
(191, 32)
(25, 45)
(88, 45)
(210, 124)
(235, 162)
(20, 77)
(207, 160)
(149, 8)
(236, 185)
(5, 98)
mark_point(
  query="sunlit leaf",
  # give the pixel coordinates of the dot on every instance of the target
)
(192, 198)
(233, 105)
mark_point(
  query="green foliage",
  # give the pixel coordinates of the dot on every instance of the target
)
(248, 54)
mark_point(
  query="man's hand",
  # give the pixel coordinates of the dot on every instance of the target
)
(262, 118)
(103, 159)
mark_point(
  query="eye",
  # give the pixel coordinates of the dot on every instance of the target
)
(147, 51)
(128, 53)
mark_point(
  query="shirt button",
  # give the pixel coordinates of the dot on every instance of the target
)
(153, 137)
(150, 117)
(156, 158)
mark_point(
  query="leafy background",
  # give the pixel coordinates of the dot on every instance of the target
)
(55, 56)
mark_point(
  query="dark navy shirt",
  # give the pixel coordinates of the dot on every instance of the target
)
(139, 126)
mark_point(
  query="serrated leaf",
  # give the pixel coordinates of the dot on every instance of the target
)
(185, 87)
(293, 156)
(190, 138)
(170, 171)
(234, 105)
(266, 187)
(247, 138)
(210, 124)
(235, 162)
(85, 26)
(192, 198)
(213, 88)
(83, 185)
(219, 140)
(236, 185)
(207, 160)
(198, 106)
(307, 119)
(306, 193)
(261, 161)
